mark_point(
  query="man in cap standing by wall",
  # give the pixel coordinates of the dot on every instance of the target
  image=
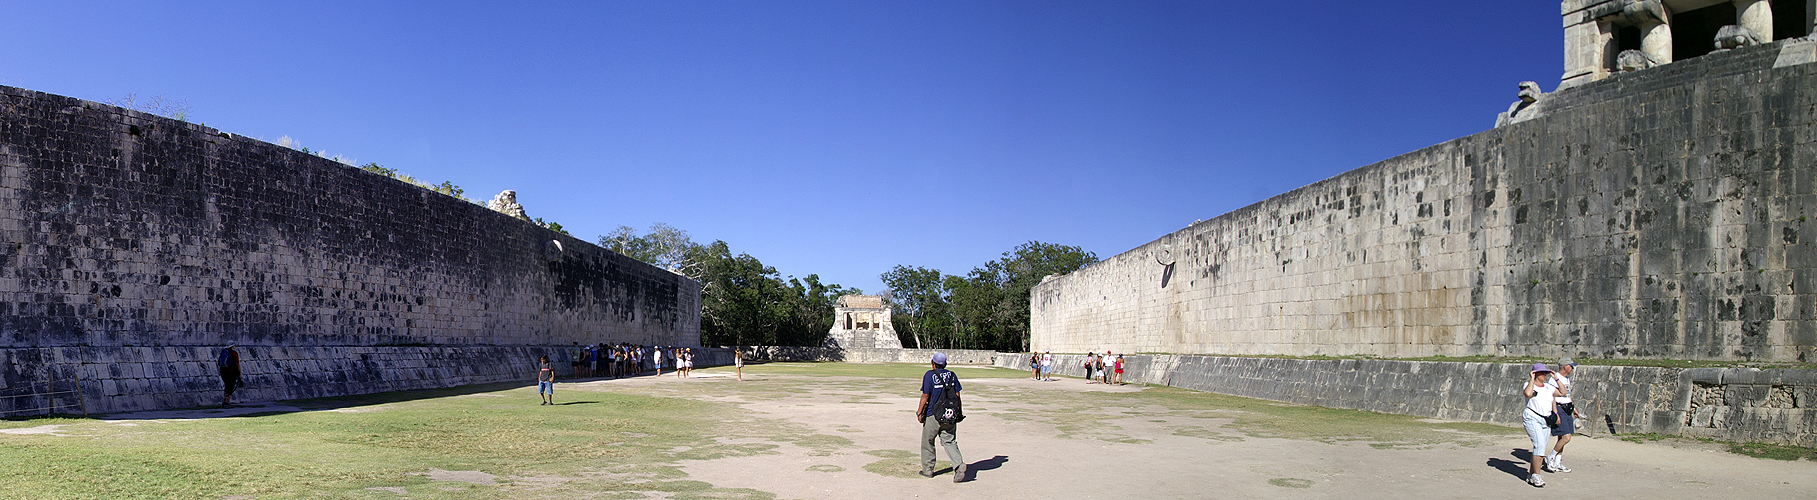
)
(229, 364)
(1567, 415)
(937, 384)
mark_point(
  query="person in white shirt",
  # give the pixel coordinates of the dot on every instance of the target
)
(1047, 365)
(1540, 404)
(1567, 415)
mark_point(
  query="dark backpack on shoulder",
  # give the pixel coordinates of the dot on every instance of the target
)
(948, 409)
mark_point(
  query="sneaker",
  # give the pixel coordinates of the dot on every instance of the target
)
(1560, 468)
(959, 474)
(1534, 480)
(927, 473)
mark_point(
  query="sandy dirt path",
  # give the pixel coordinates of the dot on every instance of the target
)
(1139, 449)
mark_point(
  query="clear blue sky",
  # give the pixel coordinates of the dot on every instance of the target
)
(839, 138)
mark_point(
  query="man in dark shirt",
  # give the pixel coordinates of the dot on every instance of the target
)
(935, 384)
(229, 364)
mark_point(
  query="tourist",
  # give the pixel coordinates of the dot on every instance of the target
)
(545, 381)
(1567, 416)
(577, 356)
(1034, 366)
(1104, 363)
(656, 359)
(687, 363)
(229, 365)
(1540, 404)
(1119, 369)
(613, 360)
(936, 384)
(1089, 364)
(678, 363)
(738, 362)
(1047, 366)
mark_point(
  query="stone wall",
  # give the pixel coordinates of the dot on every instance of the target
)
(1663, 213)
(127, 234)
(1733, 404)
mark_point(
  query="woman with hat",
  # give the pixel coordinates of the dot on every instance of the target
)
(1541, 403)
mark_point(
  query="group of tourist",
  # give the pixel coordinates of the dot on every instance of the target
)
(607, 360)
(1548, 414)
(1103, 366)
(618, 361)
(1099, 368)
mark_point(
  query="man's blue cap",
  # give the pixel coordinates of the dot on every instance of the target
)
(939, 358)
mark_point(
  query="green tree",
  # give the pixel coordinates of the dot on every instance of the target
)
(742, 301)
(919, 295)
(988, 308)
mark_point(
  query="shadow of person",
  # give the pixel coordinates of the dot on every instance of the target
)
(971, 471)
(1513, 468)
(577, 403)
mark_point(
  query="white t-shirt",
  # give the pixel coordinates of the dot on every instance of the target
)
(1560, 381)
(1541, 402)
(1047, 359)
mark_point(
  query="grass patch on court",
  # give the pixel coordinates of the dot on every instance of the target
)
(909, 371)
(391, 441)
(1774, 451)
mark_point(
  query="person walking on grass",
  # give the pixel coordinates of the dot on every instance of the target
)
(1541, 403)
(545, 380)
(1567, 416)
(228, 364)
(936, 385)
(738, 362)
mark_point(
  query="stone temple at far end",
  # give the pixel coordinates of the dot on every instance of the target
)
(862, 322)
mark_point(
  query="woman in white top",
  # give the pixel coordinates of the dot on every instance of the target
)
(1540, 404)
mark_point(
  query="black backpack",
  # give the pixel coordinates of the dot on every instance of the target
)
(947, 411)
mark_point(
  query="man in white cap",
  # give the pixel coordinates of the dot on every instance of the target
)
(1567, 415)
(937, 385)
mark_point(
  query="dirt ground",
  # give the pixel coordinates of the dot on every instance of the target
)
(1138, 449)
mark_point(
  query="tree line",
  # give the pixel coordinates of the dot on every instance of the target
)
(744, 302)
(987, 308)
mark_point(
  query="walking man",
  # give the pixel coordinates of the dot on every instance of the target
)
(229, 364)
(545, 380)
(1567, 415)
(936, 385)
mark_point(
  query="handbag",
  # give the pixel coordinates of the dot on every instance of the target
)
(1551, 420)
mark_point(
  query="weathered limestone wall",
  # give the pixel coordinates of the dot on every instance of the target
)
(1662, 213)
(127, 234)
(1733, 404)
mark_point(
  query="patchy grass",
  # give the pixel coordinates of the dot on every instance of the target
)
(390, 441)
(1268, 419)
(1774, 451)
(908, 371)
(1586, 361)
(1291, 482)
